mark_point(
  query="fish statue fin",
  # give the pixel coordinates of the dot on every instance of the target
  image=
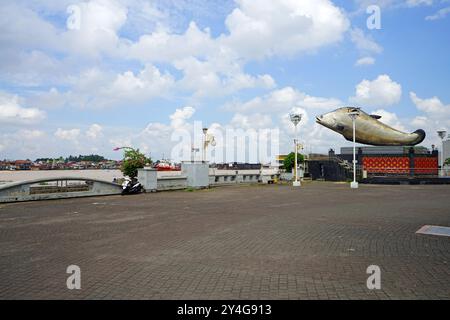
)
(375, 116)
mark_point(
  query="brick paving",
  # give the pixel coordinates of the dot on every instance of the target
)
(243, 242)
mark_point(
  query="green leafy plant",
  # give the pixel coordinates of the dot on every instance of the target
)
(447, 162)
(132, 161)
(289, 161)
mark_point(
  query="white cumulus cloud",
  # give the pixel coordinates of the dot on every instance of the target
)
(435, 116)
(150, 82)
(365, 61)
(253, 121)
(432, 106)
(99, 22)
(416, 3)
(70, 135)
(381, 92)
(282, 100)
(265, 28)
(94, 131)
(440, 14)
(11, 112)
(363, 42)
(180, 116)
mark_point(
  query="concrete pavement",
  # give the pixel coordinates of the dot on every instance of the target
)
(240, 242)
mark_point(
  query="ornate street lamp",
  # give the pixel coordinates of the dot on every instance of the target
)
(296, 118)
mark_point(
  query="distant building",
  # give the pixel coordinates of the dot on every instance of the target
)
(238, 166)
(23, 164)
(4, 165)
(279, 160)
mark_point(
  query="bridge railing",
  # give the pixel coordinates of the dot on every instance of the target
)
(56, 188)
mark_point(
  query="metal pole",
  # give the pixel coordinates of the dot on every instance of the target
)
(354, 184)
(297, 182)
(295, 150)
(442, 159)
(295, 118)
(354, 152)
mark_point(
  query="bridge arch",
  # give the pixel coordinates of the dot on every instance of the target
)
(39, 189)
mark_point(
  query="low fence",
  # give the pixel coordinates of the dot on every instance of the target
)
(406, 172)
(225, 179)
(177, 183)
(412, 165)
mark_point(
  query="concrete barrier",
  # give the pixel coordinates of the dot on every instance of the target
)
(226, 179)
(36, 190)
(236, 178)
(197, 173)
(148, 177)
(172, 183)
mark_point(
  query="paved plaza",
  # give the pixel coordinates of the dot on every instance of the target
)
(240, 242)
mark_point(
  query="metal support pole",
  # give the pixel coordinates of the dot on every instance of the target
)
(441, 172)
(296, 118)
(354, 152)
(296, 151)
(297, 182)
(354, 184)
(296, 162)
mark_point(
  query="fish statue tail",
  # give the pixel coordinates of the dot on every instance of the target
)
(421, 136)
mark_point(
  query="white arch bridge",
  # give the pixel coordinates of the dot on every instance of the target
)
(56, 188)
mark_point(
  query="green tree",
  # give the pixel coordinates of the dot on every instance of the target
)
(447, 162)
(90, 158)
(289, 161)
(132, 161)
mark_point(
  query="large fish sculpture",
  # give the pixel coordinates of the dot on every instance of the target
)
(368, 129)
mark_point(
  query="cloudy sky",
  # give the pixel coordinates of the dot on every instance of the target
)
(87, 76)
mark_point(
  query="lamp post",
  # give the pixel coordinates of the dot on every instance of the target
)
(442, 134)
(353, 115)
(296, 118)
(205, 131)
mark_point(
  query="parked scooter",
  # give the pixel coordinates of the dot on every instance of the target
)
(131, 186)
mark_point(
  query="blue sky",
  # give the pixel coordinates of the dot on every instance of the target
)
(133, 72)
